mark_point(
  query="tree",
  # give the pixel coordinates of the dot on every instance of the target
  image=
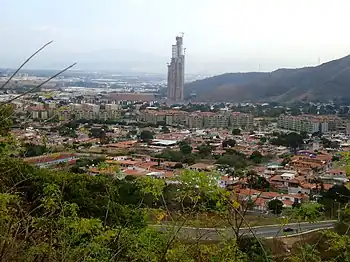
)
(232, 160)
(286, 160)
(329, 144)
(228, 143)
(31, 150)
(308, 211)
(6, 114)
(335, 158)
(146, 136)
(171, 155)
(343, 225)
(263, 140)
(257, 157)
(72, 124)
(189, 159)
(275, 206)
(185, 148)
(292, 140)
(257, 182)
(165, 130)
(236, 132)
(338, 193)
(205, 150)
(304, 134)
(66, 131)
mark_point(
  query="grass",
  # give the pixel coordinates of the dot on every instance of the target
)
(212, 220)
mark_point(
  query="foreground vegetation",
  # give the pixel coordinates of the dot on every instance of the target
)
(51, 215)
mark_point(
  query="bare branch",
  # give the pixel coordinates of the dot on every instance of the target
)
(25, 62)
(254, 235)
(40, 85)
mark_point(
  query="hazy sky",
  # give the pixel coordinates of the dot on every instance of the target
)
(220, 35)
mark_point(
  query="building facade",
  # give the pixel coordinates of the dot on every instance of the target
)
(308, 123)
(198, 119)
(176, 72)
(89, 112)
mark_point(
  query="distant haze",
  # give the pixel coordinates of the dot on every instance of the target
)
(136, 35)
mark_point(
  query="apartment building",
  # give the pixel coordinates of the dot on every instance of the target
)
(168, 117)
(89, 111)
(308, 123)
(241, 120)
(194, 120)
(198, 119)
(38, 112)
(215, 120)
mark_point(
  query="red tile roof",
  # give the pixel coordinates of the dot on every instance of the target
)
(269, 194)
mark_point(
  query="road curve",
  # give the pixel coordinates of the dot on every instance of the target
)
(269, 231)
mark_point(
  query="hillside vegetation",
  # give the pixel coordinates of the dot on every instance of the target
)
(330, 80)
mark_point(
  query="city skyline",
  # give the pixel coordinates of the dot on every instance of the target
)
(230, 36)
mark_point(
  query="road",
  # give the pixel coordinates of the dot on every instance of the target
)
(269, 231)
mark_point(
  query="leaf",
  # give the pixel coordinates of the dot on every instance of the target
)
(235, 204)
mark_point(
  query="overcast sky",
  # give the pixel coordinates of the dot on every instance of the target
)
(220, 35)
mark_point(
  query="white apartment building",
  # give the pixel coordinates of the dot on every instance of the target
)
(241, 120)
(304, 123)
(198, 119)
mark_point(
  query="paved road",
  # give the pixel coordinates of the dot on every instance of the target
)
(216, 234)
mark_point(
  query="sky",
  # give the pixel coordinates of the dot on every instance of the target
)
(219, 35)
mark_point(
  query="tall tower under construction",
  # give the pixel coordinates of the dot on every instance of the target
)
(176, 72)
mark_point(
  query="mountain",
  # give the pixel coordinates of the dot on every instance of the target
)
(330, 80)
(206, 85)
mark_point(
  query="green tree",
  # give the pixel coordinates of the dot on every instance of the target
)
(257, 182)
(275, 206)
(292, 140)
(256, 157)
(306, 252)
(6, 114)
(343, 225)
(236, 132)
(232, 160)
(185, 148)
(66, 131)
(31, 150)
(165, 130)
(171, 155)
(228, 143)
(308, 211)
(286, 160)
(146, 135)
(205, 150)
(189, 159)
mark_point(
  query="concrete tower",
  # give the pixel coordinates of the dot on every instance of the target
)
(176, 72)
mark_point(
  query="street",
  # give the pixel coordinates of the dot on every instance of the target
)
(216, 234)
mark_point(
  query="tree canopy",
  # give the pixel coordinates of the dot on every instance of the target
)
(236, 132)
(228, 143)
(146, 135)
(292, 140)
(275, 206)
(185, 147)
